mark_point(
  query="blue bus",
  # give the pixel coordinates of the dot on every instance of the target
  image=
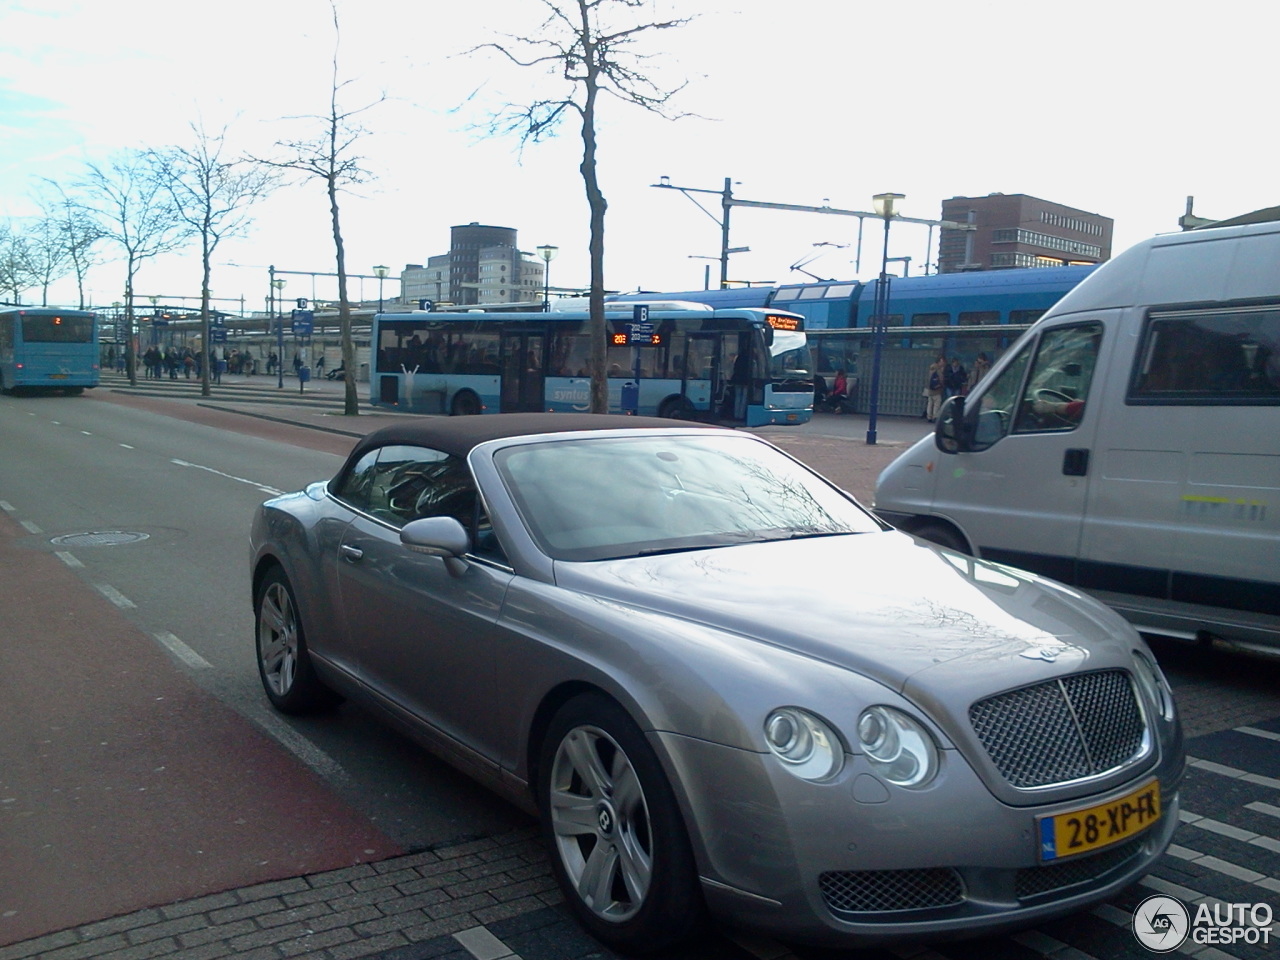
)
(45, 348)
(749, 366)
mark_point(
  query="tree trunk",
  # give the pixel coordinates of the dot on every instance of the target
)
(596, 201)
(351, 403)
(205, 326)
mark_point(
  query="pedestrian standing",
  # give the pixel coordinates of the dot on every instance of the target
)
(933, 387)
(981, 367)
(955, 378)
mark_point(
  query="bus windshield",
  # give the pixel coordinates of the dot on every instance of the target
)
(789, 357)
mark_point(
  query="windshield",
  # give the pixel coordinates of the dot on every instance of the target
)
(600, 498)
(789, 357)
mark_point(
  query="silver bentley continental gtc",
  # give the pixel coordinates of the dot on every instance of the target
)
(726, 688)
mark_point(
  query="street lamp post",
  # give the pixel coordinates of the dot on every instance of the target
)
(884, 204)
(276, 286)
(381, 273)
(548, 253)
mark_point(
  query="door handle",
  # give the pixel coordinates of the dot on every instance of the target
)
(350, 553)
(1075, 462)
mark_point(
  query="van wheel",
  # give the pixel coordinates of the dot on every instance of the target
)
(943, 534)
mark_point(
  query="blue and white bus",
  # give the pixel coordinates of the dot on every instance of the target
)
(963, 315)
(749, 367)
(45, 348)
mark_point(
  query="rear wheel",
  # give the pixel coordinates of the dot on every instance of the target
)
(618, 842)
(465, 404)
(676, 408)
(283, 662)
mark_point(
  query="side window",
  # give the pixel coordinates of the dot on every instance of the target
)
(998, 401)
(1209, 357)
(1058, 384)
(412, 482)
(400, 483)
(357, 485)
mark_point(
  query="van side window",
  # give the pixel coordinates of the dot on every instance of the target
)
(1210, 357)
(1058, 385)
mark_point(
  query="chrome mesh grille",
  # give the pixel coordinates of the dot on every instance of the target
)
(890, 891)
(1061, 730)
(1034, 881)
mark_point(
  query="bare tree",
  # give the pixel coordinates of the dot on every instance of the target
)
(48, 255)
(17, 271)
(77, 232)
(129, 201)
(329, 156)
(211, 196)
(590, 45)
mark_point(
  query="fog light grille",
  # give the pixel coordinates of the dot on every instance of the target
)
(1034, 881)
(890, 891)
(1065, 729)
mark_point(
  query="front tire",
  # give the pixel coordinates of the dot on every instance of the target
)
(943, 534)
(618, 843)
(284, 665)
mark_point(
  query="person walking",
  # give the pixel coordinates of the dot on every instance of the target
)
(933, 386)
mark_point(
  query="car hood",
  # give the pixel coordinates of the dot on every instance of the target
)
(922, 620)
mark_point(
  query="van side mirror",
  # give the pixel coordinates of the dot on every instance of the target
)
(951, 435)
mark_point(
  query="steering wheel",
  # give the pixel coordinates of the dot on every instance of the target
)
(403, 495)
(1052, 396)
(1052, 417)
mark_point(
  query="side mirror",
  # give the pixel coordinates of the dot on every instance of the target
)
(436, 537)
(951, 433)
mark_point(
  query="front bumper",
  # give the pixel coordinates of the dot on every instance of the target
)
(853, 863)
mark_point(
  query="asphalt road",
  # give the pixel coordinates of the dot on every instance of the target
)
(140, 763)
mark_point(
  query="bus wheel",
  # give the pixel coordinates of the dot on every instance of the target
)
(465, 405)
(675, 408)
(942, 534)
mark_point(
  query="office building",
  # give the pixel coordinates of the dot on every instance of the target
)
(1016, 230)
(483, 265)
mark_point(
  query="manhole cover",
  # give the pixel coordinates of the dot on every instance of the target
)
(105, 538)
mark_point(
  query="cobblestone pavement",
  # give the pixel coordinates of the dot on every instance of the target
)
(431, 904)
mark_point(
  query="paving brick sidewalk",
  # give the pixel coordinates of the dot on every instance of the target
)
(468, 901)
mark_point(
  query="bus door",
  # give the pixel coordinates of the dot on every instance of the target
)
(702, 377)
(523, 371)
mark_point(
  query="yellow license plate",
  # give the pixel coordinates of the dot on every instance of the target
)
(792, 417)
(57, 376)
(1079, 831)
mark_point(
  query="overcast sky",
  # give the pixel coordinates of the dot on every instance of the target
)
(1122, 108)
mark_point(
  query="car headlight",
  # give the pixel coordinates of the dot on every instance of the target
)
(898, 748)
(1152, 680)
(806, 746)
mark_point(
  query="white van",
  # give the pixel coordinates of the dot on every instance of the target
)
(1129, 442)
